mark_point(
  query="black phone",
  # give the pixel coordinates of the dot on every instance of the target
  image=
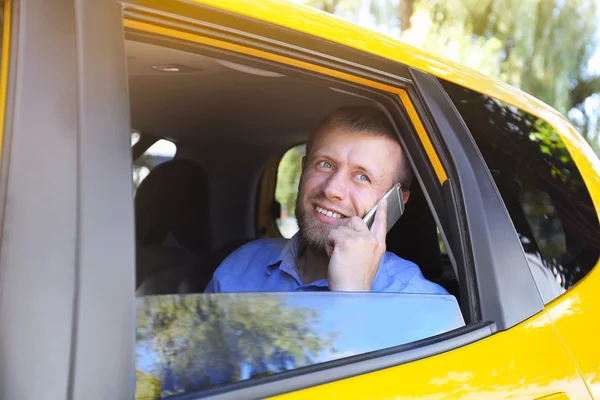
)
(395, 207)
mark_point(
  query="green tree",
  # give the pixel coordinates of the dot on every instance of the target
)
(543, 47)
(201, 340)
(147, 386)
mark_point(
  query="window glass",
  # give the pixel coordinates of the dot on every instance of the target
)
(542, 189)
(286, 190)
(193, 342)
(161, 151)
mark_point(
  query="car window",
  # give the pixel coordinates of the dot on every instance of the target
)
(286, 189)
(201, 340)
(161, 151)
(541, 186)
(195, 342)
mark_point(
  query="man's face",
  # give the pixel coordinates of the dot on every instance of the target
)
(345, 175)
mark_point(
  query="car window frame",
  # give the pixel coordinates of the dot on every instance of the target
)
(395, 108)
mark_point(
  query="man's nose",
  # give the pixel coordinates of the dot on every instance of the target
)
(335, 188)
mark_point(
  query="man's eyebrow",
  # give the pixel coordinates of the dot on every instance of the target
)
(367, 171)
(362, 168)
(322, 154)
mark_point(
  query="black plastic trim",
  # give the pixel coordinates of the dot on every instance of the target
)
(507, 291)
(331, 371)
(469, 295)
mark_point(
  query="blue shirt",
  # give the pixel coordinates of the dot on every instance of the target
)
(271, 265)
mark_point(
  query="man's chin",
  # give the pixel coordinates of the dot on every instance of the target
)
(315, 238)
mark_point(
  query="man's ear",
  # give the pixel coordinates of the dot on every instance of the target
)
(405, 195)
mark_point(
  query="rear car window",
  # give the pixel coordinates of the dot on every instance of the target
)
(286, 189)
(541, 186)
(161, 151)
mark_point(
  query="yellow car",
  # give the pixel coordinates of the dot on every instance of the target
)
(200, 100)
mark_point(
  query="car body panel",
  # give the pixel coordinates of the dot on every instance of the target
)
(576, 317)
(526, 362)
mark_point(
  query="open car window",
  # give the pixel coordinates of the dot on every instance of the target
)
(195, 343)
(199, 341)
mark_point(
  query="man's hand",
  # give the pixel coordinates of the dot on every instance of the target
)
(355, 252)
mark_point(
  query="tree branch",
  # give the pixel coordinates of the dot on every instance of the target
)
(583, 90)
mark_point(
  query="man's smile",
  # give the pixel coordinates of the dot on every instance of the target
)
(328, 215)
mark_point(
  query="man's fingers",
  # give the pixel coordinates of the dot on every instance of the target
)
(334, 237)
(379, 227)
(357, 224)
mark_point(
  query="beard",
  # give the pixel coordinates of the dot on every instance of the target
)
(313, 233)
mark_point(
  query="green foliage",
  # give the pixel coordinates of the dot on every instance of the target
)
(198, 336)
(288, 177)
(147, 386)
(543, 47)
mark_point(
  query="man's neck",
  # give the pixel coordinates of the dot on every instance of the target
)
(312, 265)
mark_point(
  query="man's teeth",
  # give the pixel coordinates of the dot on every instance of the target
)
(329, 213)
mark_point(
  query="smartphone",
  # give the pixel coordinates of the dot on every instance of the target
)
(395, 207)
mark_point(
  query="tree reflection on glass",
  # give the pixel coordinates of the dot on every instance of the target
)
(193, 342)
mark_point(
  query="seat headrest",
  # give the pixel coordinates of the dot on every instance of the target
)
(173, 200)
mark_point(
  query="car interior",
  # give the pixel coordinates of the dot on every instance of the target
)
(231, 122)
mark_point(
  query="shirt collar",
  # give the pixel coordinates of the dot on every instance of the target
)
(287, 261)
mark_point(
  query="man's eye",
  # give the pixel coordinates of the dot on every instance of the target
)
(325, 164)
(363, 177)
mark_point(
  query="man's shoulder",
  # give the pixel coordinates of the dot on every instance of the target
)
(398, 267)
(260, 250)
(268, 245)
(408, 275)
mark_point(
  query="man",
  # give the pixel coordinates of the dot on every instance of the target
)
(352, 159)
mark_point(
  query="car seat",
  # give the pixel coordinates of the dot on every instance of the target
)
(172, 219)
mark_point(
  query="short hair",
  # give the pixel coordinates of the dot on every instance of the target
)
(369, 120)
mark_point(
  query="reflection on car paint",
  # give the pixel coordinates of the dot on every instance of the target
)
(193, 342)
